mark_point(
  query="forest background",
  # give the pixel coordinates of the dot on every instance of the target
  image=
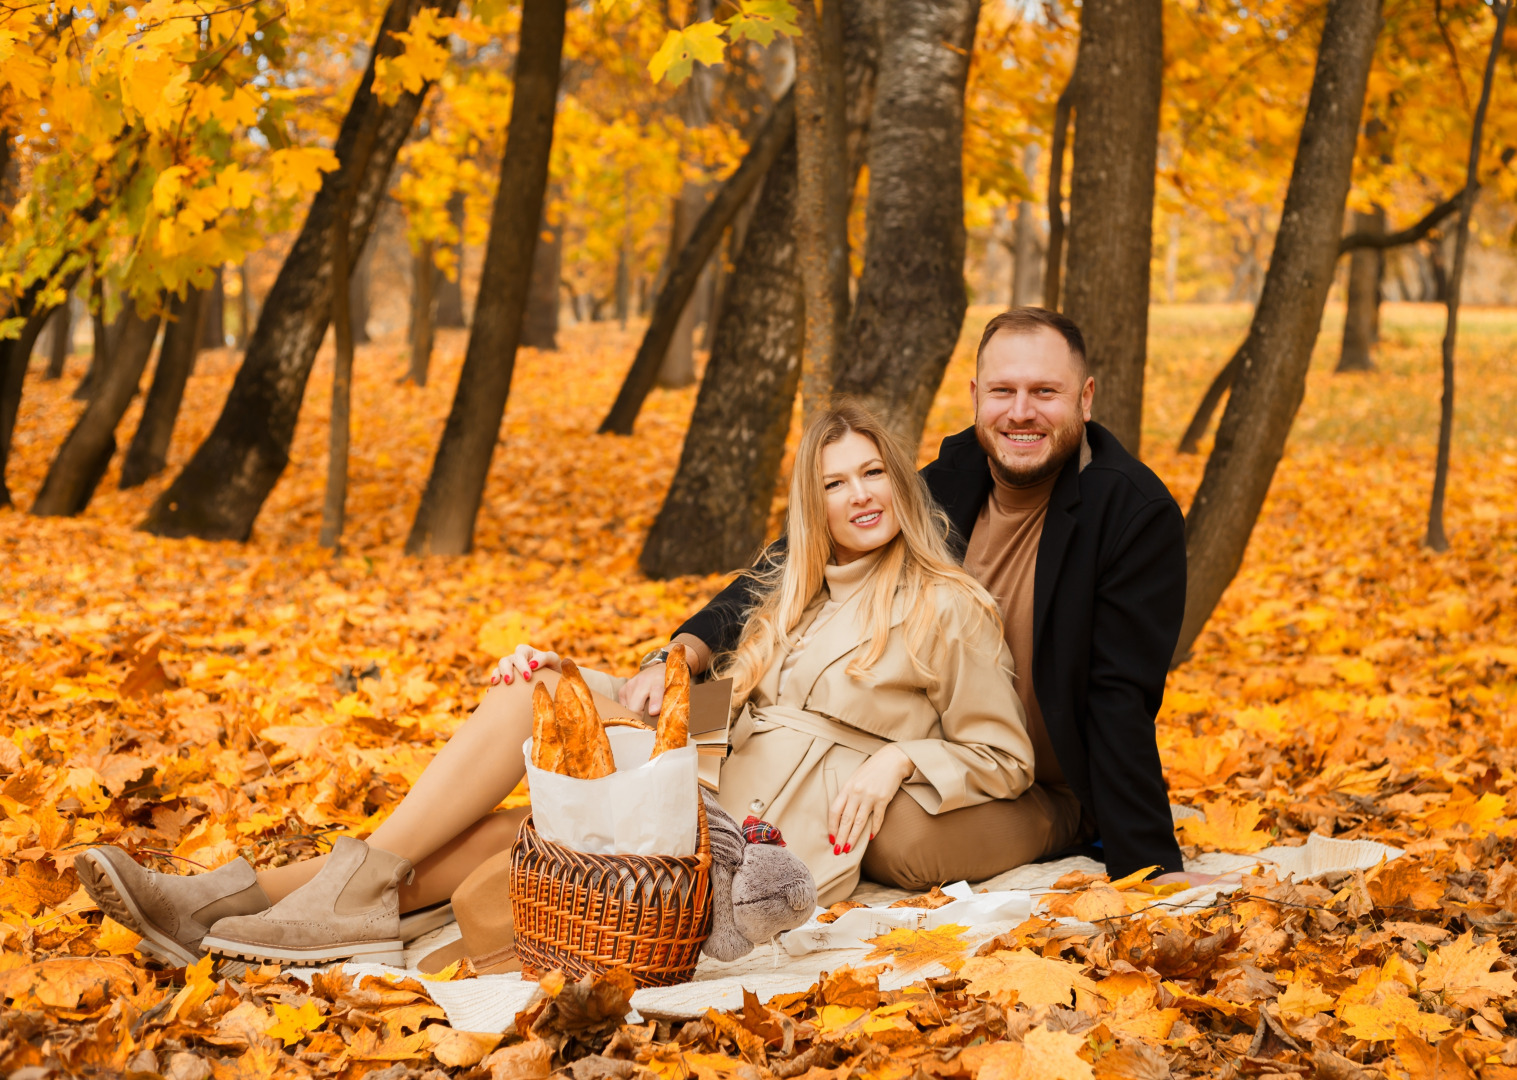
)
(567, 278)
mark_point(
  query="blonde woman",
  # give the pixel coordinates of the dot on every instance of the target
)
(872, 669)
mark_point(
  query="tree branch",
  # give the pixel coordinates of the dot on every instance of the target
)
(1430, 221)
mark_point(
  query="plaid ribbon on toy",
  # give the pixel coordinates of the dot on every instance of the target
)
(759, 831)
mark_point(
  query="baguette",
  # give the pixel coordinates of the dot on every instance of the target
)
(587, 749)
(674, 716)
(547, 738)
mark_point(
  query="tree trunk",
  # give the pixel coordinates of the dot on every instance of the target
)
(444, 522)
(1361, 317)
(1213, 397)
(685, 271)
(716, 513)
(423, 320)
(717, 510)
(911, 295)
(1436, 538)
(334, 505)
(539, 328)
(14, 354)
(182, 338)
(244, 305)
(102, 347)
(213, 313)
(86, 453)
(60, 340)
(821, 208)
(1275, 355)
(624, 276)
(1111, 201)
(678, 368)
(358, 290)
(1053, 272)
(450, 291)
(1026, 244)
(220, 491)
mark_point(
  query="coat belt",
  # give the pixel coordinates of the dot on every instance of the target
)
(810, 723)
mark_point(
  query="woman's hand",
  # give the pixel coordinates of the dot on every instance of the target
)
(524, 661)
(859, 809)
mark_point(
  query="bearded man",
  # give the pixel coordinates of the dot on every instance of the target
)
(1083, 548)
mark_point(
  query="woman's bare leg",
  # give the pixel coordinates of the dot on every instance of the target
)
(447, 812)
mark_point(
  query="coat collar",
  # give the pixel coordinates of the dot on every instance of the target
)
(843, 633)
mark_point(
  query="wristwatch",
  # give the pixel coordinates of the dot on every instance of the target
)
(657, 656)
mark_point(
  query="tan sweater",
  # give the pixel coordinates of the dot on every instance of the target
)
(1002, 556)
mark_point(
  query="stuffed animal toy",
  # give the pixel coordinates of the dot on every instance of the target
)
(759, 888)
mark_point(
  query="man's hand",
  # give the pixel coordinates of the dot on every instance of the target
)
(859, 809)
(645, 690)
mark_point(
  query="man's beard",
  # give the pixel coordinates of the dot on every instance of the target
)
(1063, 443)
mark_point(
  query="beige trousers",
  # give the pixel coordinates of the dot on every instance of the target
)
(917, 850)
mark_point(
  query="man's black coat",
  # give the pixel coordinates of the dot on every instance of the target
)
(1108, 597)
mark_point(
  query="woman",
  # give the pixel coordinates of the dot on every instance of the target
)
(872, 666)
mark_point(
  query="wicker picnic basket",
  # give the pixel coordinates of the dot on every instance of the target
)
(585, 914)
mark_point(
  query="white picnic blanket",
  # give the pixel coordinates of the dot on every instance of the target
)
(491, 1002)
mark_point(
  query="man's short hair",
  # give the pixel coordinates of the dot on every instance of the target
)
(1029, 320)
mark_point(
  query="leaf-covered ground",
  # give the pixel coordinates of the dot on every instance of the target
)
(194, 700)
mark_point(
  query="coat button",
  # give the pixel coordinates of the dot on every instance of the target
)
(756, 807)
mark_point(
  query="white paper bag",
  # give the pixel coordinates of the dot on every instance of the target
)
(644, 808)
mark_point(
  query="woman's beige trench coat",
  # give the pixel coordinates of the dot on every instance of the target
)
(963, 727)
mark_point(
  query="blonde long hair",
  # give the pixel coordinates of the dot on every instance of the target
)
(911, 564)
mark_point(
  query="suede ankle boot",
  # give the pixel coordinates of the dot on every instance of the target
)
(349, 911)
(170, 912)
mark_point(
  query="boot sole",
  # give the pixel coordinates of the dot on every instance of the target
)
(373, 952)
(112, 897)
(424, 920)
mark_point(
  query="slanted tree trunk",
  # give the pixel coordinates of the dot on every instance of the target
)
(219, 493)
(102, 349)
(423, 304)
(717, 509)
(1274, 357)
(821, 196)
(1436, 538)
(678, 368)
(1361, 316)
(539, 329)
(1111, 201)
(624, 276)
(450, 291)
(14, 354)
(444, 522)
(182, 338)
(60, 340)
(86, 453)
(685, 271)
(213, 312)
(911, 296)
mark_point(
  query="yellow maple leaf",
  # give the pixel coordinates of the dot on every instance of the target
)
(912, 949)
(1041, 1055)
(1229, 826)
(1467, 813)
(297, 170)
(292, 1024)
(1461, 971)
(116, 939)
(1380, 1021)
(199, 985)
(700, 42)
(1024, 977)
(1303, 999)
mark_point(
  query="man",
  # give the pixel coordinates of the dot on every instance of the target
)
(1084, 550)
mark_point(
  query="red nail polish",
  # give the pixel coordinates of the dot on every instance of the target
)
(506, 679)
(494, 678)
(847, 848)
(831, 839)
(533, 665)
(527, 675)
(871, 836)
(836, 850)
